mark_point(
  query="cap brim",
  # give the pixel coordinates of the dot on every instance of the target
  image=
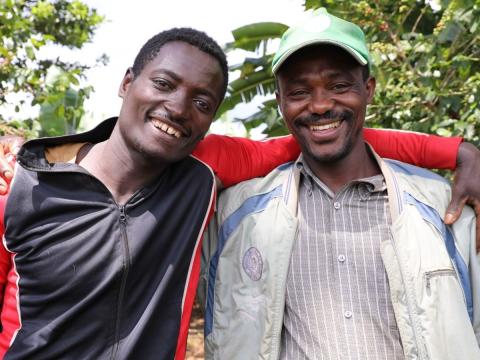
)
(356, 55)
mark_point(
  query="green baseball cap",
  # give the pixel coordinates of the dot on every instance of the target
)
(322, 28)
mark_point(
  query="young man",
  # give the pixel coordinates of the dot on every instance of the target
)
(341, 254)
(103, 229)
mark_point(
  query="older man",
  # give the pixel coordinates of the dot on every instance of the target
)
(341, 254)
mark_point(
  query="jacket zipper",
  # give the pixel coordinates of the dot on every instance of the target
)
(126, 268)
(434, 273)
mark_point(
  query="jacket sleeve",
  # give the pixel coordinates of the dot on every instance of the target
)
(235, 159)
(474, 267)
(464, 231)
(209, 247)
(424, 150)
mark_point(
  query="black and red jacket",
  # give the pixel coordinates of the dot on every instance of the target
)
(85, 278)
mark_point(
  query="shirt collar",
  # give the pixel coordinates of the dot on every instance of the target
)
(371, 184)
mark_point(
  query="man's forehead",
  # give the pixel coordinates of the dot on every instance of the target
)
(188, 64)
(182, 55)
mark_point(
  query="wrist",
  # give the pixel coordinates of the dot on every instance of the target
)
(466, 153)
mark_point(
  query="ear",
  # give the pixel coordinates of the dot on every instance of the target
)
(370, 87)
(279, 103)
(126, 82)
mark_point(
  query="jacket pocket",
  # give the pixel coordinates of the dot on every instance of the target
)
(429, 276)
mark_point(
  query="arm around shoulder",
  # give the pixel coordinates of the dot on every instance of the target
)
(235, 159)
(425, 150)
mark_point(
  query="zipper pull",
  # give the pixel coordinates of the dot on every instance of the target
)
(123, 216)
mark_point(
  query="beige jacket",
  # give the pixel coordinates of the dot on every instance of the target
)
(433, 271)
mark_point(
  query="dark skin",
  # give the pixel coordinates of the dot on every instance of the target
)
(166, 110)
(330, 84)
(323, 98)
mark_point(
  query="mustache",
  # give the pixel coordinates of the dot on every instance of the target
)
(167, 115)
(162, 114)
(329, 115)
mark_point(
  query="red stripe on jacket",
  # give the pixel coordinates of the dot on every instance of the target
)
(9, 298)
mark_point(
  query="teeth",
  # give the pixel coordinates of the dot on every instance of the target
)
(164, 127)
(325, 127)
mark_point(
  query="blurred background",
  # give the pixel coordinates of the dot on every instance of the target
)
(61, 61)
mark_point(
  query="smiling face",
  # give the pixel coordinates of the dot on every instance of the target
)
(323, 97)
(169, 106)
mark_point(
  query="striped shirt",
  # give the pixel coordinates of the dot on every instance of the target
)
(337, 294)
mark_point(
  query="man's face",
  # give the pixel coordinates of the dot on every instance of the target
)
(323, 97)
(169, 106)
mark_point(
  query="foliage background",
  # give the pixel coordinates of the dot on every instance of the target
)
(426, 60)
(426, 54)
(26, 27)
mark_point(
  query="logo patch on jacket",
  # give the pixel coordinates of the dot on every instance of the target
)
(253, 264)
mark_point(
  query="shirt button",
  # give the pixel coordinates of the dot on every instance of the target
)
(348, 314)
(341, 258)
(336, 205)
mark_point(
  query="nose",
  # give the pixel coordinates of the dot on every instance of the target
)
(178, 106)
(321, 102)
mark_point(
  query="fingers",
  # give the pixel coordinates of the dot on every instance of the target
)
(14, 146)
(9, 146)
(476, 206)
(3, 186)
(6, 174)
(478, 234)
(455, 208)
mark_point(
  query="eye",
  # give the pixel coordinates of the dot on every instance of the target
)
(203, 105)
(162, 84)
(298, 93)
(340, 87)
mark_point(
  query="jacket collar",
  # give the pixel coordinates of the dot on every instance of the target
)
(32, 153)
(292, 183)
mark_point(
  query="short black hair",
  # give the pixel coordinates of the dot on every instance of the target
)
(196, 38)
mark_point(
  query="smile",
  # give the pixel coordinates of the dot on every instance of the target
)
(333, 125)
(160, 125)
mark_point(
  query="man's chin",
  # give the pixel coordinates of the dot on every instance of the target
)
(158, 154)
(333, 156)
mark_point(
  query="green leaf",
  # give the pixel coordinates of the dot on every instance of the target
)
(25, 27)
(30, 52)
(251, 37)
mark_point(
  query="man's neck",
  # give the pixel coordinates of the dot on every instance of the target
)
(358, 164)
(121, 170)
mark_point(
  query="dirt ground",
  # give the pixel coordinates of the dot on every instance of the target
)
(195, 335)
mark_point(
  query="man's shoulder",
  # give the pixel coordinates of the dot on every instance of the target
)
(424, 185)
(415, 173)
(259, 189)
(261, 184)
